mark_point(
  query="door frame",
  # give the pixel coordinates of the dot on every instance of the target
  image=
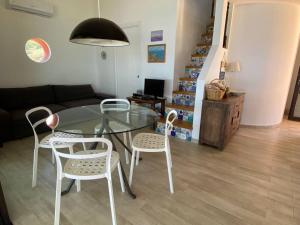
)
(294, 99)
(126, 26)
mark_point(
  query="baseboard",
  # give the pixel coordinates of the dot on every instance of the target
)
(260, 127)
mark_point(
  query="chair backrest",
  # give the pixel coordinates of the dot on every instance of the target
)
(58, 155)
(35, 124)
(116, 105)
(171, 117)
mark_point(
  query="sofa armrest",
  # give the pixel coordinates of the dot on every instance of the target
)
(103, 96)
(5, 128)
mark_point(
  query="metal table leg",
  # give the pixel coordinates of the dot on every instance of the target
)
(128, 189)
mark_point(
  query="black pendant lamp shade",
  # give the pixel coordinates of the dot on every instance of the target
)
(99, 32)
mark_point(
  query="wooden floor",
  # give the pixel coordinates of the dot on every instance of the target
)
(255, 180)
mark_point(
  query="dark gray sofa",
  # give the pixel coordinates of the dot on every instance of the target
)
(14, 102)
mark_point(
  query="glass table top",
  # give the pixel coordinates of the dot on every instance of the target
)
(115, 119)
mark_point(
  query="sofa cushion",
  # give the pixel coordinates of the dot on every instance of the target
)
(21, 127)
(5, 128)
(20, 98)
(12, 98)
(64, 93)
(38, 96)
(81, 102)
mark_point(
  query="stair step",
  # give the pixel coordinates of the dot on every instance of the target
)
(185, 98)
(202, 50)
(199, 56)
(181, 130)
(179, 123)
(193, 67)
(185, 113)
(187, 85)
(184, 93)
(180, 107)
(198, 59)
(188, 79)
(207, 34)
(193, 71)
(203, 45)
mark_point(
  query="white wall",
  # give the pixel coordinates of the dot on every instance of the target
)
(211, 67)
(69, 64)
(264, 39)
(151, 15)
(192, 18)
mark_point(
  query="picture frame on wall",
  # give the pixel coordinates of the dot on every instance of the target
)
(157, 53)
(157, 35)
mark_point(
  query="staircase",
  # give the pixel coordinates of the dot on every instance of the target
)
(183, 100)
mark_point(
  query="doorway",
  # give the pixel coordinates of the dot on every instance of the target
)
(128, 64)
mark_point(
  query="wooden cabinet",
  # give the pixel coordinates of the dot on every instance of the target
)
(220, 120)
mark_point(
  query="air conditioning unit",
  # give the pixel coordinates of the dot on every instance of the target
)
(40, 7)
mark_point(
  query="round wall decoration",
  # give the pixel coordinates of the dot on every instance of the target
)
(38, 50)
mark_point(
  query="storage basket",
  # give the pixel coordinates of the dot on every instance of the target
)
(213, 92)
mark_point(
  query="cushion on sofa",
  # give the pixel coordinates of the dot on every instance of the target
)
(64, 93)
(81, 102)
(20, 125)
(19, 98)
(12, 98)
(39, 96)
(5, 128)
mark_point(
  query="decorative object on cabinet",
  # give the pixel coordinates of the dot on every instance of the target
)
(220, 120)
(216, 89)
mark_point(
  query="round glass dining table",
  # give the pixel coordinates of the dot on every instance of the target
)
(113, 119)
(91, 121)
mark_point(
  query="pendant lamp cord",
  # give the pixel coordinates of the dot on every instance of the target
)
(99, 8)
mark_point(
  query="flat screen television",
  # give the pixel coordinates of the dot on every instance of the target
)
(154, 87)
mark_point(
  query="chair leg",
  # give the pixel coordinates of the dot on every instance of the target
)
(121, 177)
(71, 150)
(53, 157)
(35, 165)
(131, 167)
(78, 185)
(57, 201)
(112, 202)
(137, 158)
(126, 152)
(130, 139)
(170, 171)
(84, 146)
(169, 151)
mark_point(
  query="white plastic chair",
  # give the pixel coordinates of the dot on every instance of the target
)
(122, 106)
(44, 143)
(86, 165)
(149, 142)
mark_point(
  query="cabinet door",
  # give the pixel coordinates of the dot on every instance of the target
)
(213, 124)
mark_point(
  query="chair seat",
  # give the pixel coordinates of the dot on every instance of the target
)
(90, 167)
(149, 142)
(45, 142)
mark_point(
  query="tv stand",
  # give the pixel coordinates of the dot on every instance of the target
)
(151, 102)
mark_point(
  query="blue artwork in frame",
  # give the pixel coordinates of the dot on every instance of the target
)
(157, 53)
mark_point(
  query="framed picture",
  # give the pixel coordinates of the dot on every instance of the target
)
(157, 35)
(157, 53)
